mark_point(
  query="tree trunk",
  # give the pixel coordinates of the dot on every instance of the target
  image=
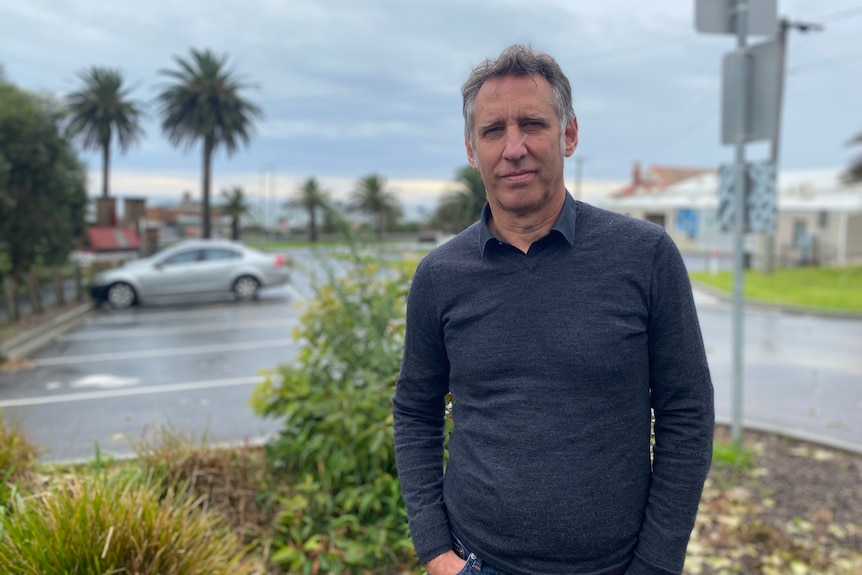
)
(206, 230)
(106, 165)
(59, 286)
(79, 283)
(234, 228)
(33, 293)
(312, 226)
(10, 292)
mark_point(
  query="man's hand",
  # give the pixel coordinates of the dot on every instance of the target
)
(445, 564)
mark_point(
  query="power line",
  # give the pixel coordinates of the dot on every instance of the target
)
(842, 15)
(823, 63)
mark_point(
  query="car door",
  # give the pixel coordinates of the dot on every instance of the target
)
(217, 269)
(177, 274)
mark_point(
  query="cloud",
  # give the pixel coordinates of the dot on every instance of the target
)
(356, 87)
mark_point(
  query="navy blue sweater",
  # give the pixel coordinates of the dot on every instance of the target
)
(555, 358)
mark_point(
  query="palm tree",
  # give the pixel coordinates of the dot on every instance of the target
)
(203, 103)
(313, 199)
(460, 208)
(235, 206)
(371, 197)
(854, 171)
(102, 109)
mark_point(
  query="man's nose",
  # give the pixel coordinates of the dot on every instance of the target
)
(515, 148)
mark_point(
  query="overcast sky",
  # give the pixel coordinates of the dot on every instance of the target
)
(354, 87)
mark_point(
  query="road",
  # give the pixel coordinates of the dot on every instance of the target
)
(190, 368)
(802, 374)
(193, 367)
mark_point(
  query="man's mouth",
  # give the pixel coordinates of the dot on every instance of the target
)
(518, 177)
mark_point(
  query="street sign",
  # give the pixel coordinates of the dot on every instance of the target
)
(763, 83)
(761, 204)
(718, 17)
(762, 200)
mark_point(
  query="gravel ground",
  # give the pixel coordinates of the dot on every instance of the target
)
(796, 510)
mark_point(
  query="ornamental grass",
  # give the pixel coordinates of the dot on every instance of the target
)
(116, 522)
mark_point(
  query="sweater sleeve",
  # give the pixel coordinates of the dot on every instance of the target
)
(419, 411)
(682, 401)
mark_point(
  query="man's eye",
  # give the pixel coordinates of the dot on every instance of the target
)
(492, 131)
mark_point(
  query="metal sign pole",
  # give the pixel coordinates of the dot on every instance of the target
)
(741, 20)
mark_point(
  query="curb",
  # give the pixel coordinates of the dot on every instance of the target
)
(805, 436)
(29, 342)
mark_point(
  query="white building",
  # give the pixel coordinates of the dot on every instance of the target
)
(819, 218)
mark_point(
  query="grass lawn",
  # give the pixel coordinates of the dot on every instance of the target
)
(812, 287)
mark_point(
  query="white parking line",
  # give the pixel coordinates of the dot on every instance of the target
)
(148, 390)
(164, 352)
(151, 331)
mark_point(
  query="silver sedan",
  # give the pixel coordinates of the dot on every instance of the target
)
(190, 268)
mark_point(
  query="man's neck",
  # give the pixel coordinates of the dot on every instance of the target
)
(521, 232)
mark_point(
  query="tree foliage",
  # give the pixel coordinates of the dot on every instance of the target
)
(314, 200)
(236, 205)
(102, 112)
(371, 197)
(459, 209)
(42, 184)
(202, 102)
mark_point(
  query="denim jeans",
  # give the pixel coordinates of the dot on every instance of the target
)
(475, 565)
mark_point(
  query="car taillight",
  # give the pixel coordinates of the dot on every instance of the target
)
(280, 260)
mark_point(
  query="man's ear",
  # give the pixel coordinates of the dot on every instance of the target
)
(470, 157)
(571, 137)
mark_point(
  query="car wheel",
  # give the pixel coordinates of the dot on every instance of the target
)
(121, 295)
(246, 288)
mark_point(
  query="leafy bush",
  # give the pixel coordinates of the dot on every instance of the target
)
(344, 513)
(118, 523)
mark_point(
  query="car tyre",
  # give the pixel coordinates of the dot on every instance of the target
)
(246, 288)
(121, 296)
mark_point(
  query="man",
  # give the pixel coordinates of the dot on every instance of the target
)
(557, 327)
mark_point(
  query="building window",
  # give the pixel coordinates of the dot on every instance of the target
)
(655, 218)
(800, 237)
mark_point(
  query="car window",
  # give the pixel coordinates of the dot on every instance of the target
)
(183, 258)
(220, 254)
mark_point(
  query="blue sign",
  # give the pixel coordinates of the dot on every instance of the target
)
(687, 222)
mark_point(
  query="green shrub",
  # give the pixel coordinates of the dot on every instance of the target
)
(344, 512)
(117, 523)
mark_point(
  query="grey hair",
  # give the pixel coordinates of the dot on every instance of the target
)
(518, 60)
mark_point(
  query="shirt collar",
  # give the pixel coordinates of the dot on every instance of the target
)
(565, 224)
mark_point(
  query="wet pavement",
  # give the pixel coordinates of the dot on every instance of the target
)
(192, 367)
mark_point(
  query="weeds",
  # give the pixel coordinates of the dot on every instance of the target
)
(17, 459)
(732, 456)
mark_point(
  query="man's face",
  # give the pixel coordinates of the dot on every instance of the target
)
(518, 146)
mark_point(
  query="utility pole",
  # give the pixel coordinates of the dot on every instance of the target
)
(263, 200)
(579, 163)
(783, 26)
(274, 202)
